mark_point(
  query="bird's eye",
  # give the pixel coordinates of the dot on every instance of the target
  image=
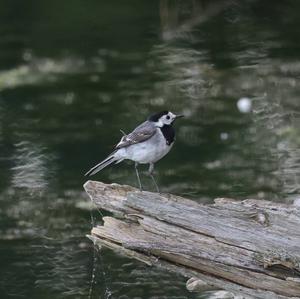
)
(168, 117)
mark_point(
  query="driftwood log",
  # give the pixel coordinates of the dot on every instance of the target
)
(249, 247)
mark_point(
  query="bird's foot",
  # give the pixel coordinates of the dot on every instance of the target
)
(155, 184)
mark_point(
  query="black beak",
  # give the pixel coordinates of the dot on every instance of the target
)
(179, 116)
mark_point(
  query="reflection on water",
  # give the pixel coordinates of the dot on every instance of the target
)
(268, 158)
(61, 109)
(30, 170)
(1, 123)
(274, 122)
(47, 70)
(179, 18)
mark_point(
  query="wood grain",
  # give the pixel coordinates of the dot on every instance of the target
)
(249, 247)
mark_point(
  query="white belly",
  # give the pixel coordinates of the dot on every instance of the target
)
(148, 151)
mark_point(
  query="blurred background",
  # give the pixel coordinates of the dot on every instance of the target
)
(72, 73)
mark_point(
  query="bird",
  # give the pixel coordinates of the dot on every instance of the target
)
(146, 144)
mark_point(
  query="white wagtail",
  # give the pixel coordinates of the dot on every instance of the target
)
(147, 143)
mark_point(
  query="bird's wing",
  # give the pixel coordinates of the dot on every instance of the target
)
(143, 132)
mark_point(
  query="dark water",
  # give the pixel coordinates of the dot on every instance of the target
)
(72, 73)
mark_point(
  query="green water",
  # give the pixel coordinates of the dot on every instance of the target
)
(72, 73)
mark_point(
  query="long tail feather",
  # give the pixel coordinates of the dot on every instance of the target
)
(101, 165)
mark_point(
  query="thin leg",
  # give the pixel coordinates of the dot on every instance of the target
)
(151, 169)
(137, 175)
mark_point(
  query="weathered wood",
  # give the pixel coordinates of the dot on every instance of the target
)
(251, 247)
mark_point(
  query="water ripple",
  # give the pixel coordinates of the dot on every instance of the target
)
(30, 169)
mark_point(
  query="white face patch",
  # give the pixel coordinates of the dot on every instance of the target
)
(166, 119)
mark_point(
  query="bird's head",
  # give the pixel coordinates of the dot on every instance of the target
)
(164, 118)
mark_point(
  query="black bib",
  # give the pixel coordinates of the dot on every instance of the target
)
(169, 133)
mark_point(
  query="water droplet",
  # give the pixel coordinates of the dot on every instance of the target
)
(244, 105)
(224, 136)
